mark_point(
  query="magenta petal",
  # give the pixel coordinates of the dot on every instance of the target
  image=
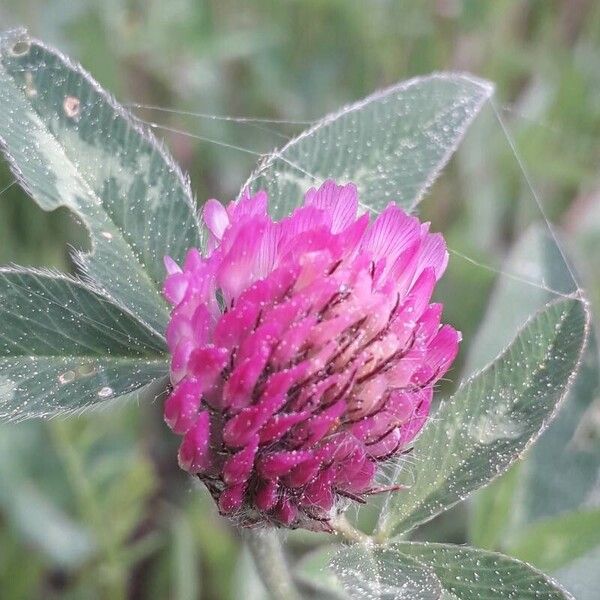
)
(194, 455)
(171, 266)
(420, 293)
(193, 260)
(357, 477)
(231, 498)
(202, 323)
(292, 341)
(181, 407)
(315, 428)
(208, 361)
(266, 496)
(180, 359)
(251, 257)
(238, 467)
(386, 446)
(278, 425)
(319, 493)
(304, 220)
(429, 323)
(248, 206)
(410, 429)
(243, 426)
(235, 325)
(280, 463)
(441, 352)
(286, 512)
(304, 472)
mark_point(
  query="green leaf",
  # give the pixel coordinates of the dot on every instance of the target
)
(392, 144)
(560, 472)
(493, 508)
(492, 418)
(313, 571)
(70, 144)
(471, 574)
(361, 572)
(65, 346)
(554, 542)
(419, 570)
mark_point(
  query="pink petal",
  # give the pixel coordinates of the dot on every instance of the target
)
(179, 360)
(216, 218)
(206, 364)
(339, 201)
(417, 420)
(282, 462)
(319, 493)
(252, 256)
(278, 425)
(286, 512)
(231, 498)
(175, 287)
(238, 467)
(248, 206)
(392, 232)
(303, 473)
(194, 455)
(266, 494)
(171, 266)
(181, 407)
(386, 446)
(315, 428)
(441, 352)
(433, 254)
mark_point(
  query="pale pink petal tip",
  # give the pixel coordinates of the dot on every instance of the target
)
(216, 218)
(171, 266)
(304, 352)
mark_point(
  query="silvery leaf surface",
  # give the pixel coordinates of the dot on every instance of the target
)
(492, 418)
(65, 346)
(392, 144)
(70, 144)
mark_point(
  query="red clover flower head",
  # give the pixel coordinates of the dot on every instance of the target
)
(304, 352)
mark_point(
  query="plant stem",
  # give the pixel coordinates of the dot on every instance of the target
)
(266, 550)
(342, 526)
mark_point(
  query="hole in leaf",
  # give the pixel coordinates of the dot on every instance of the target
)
(32, 237)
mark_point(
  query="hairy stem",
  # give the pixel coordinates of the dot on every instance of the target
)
(266, 550)
(342, 526)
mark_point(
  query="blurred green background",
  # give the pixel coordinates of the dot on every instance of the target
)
(96, 508)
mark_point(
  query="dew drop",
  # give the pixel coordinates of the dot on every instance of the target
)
(66, 377)
(105, 392)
